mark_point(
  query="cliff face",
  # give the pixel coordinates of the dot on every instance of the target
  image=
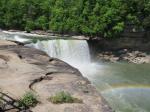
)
(132, 41)
(25, 69)
(131, 47)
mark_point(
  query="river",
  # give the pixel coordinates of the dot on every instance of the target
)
(126, 87)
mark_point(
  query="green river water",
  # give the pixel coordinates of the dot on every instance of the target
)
(126, 87)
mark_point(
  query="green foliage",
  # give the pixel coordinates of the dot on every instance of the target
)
(41, 23)
(29, 26)
(118, 28)
(63, 97)
(29, 99)
(106, 18)
(1, 99)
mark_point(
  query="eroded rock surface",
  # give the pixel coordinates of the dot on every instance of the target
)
(24, 69)
(136, 57)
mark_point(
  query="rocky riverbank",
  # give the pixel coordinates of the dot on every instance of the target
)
(124, 55)
(25, 69)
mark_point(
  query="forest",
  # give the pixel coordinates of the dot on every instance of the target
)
(105, 18)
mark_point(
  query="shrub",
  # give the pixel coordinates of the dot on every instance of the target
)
(42, 23)
(28, 99)
(64, 97)
(30, 25)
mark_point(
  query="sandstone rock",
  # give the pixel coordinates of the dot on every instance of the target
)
(141, 54)
(136, 57)
(3, 63)
(24, 65)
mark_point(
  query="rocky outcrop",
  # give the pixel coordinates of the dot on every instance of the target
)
(132, 47)
(137, 57)
(25, 69)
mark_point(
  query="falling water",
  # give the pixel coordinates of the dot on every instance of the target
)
(14, 36)
(74, 52)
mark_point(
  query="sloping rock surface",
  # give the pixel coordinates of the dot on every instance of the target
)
(24, 69)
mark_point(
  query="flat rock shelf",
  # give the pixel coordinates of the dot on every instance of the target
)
(25, 69)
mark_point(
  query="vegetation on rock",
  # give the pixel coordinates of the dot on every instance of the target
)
(28, 99)
(64, 97)
(106, 18)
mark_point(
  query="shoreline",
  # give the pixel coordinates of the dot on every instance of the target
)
(124, 55)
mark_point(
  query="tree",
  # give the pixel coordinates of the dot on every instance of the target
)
(105, 18)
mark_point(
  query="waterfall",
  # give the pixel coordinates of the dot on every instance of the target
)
(71, 51)
(5, 35)
(74, 52)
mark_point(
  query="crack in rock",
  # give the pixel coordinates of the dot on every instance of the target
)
(39, 80)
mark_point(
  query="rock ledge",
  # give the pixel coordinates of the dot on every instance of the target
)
(20, 66)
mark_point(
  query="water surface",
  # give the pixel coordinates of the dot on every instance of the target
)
(125, 86)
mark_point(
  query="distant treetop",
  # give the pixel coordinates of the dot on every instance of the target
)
(105, 18)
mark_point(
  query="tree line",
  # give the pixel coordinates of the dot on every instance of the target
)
(106, 18)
